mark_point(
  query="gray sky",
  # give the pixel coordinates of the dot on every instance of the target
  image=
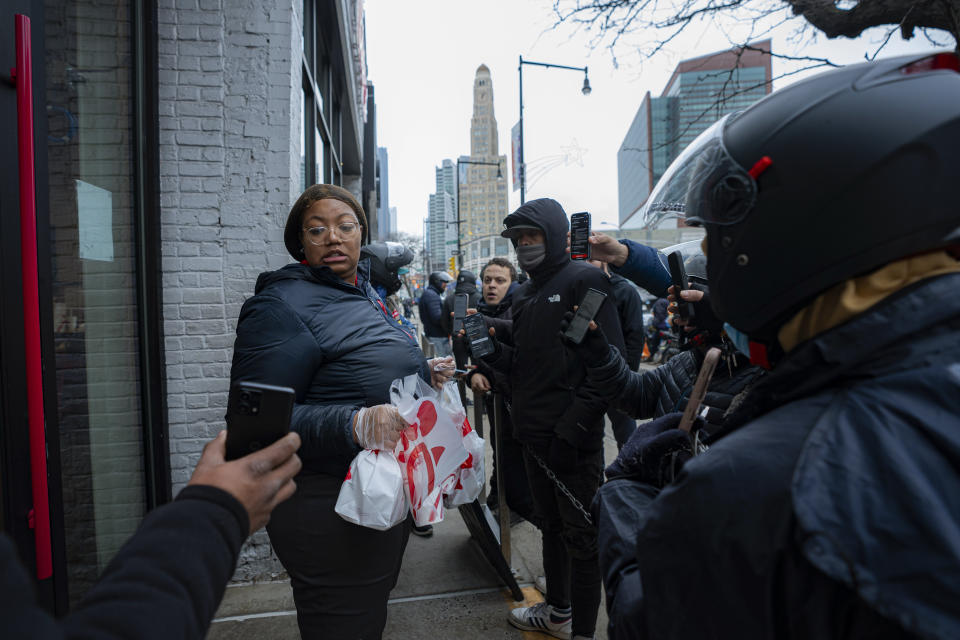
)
(422, 57)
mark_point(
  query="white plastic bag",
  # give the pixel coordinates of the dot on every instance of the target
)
(372, 494)
(470, 476)
(431, 450)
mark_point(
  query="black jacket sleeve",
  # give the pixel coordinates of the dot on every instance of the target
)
(634, 393)
(166, 582)
(273, 346)
(630, 310)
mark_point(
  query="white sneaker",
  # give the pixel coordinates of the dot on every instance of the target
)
(541, 584)
(541, 617)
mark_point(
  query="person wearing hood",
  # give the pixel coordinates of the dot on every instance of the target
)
(319, 327)
(431, 312)
(557, 414)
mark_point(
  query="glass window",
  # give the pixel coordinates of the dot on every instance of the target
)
(91, 194)
(303, 140)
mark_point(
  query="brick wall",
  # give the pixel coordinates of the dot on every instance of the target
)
(230, 113)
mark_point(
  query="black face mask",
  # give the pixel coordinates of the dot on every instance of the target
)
(531, 256)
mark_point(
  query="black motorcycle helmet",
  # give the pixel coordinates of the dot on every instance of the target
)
(438, 278)
(386, 258)
(825, 180)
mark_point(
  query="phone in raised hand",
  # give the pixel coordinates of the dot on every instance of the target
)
(580, 236)
(586, 312)
(257, 416)
(460, 303)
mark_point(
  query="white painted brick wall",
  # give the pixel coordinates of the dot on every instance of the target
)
(230, 113)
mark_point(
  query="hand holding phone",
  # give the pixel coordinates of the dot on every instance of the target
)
(477, 337)
(580, 236)
(586, 312)
(257, 416)
(460, 303)
(699, 389)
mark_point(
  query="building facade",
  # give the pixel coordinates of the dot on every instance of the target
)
(384, 226)
(171, 140)
(441, 239)
(700, 91)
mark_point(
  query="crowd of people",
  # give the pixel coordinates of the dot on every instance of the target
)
(817, 494)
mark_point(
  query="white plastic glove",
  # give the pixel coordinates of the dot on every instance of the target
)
(378, 427)
(441, 370)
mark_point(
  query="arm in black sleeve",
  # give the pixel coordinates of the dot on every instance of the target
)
(630, 310)
(274, 347)
(168, 579)
(634, 393)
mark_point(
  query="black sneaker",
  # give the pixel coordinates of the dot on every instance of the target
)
(424, 532)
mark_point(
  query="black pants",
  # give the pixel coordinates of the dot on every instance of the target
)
(341, 573)
(570, 557)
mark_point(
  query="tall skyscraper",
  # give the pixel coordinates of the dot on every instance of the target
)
(383, 193)
(700, 92)
(441, 222)
(483, 195)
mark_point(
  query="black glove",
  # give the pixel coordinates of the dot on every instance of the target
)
(707, 320)
(593, 350)
(562, 457)
(655, 452)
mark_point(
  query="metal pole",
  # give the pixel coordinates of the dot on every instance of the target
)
(459, 250)
(523, 166)
(504, 509)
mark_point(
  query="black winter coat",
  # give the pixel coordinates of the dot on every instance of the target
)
(832, 511)
(551, 393)
(630, 312)
(334, 344)
(666, 389)
(165, 582)
(431, 312)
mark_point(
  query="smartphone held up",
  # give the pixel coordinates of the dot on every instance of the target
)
(257, 416)
(580, 236)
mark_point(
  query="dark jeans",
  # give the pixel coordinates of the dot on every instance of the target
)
(570, 557)
(516, 487)
(623, 426)
(341, 573)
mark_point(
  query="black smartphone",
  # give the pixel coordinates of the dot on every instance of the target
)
(580, 236)
(460, 303)
(586, 312)
(678, 274)
(477, 336)
(257, 416)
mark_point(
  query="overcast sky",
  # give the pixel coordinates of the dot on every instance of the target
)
(422, 57)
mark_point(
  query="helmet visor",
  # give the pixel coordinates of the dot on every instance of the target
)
(703, 185)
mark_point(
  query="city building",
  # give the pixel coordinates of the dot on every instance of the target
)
(700, 91)
(441, 240)
(384, 228)
(483, 187)
(171, 140)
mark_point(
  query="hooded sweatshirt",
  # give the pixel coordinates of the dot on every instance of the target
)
(552, 395)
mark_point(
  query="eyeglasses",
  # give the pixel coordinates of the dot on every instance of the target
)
(344, 230)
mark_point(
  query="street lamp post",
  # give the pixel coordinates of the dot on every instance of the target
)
(585, 89)
(459, 162)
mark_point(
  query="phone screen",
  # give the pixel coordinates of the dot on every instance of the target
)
(460, 303)
(586, 312)
(257, 416)
(477, 336)
(580, 236)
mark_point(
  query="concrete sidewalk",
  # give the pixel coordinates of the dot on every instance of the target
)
(446, 589)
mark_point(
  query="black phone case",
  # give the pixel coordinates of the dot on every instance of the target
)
(477, 336)
(580, 236)
(462, 300)
(586, 311)
(257, 416)
(678, 274)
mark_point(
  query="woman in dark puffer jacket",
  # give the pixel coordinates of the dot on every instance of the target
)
(319, 327)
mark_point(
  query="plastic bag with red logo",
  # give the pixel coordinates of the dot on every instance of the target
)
(372, 494)
(431, 449)
(470, 477)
